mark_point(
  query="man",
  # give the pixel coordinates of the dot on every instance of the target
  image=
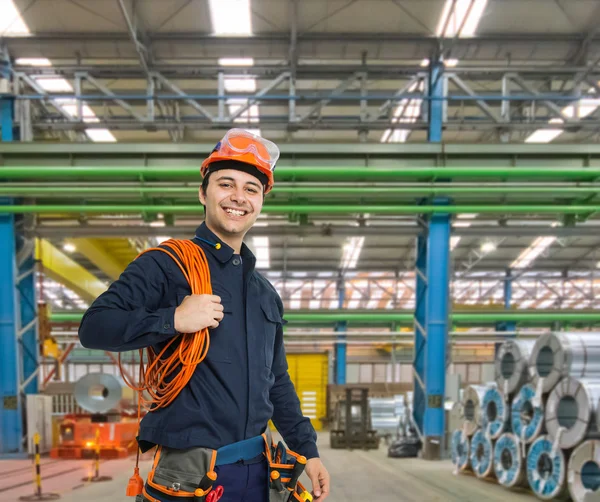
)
(243, 381)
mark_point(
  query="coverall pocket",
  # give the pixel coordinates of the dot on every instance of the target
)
(273, 321)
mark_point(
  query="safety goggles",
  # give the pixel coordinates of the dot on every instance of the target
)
(239, 142)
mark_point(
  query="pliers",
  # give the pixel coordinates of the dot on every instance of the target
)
(215, 494)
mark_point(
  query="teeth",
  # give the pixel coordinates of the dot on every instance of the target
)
(236, 212)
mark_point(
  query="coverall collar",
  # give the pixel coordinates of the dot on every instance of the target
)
(225, 252)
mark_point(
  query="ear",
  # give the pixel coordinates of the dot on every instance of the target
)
(202, 196)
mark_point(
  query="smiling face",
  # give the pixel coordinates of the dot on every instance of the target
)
(233, 201)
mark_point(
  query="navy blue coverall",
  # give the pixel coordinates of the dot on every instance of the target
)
(242, 383)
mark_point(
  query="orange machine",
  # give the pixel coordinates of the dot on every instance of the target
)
(98, 394)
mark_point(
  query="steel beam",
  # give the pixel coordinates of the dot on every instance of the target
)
(339, 90)
(256, 98)
(94, 251)
(65, 270)
(105, 90)
(192, 102)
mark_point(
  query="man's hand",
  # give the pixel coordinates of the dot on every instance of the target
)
(319, 477)
(197, 312)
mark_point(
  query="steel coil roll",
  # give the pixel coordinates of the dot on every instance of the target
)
(471, 408)
(509, 464)
(98, 392)
(584, 472)
(572, 406)
(547, 470)
(527, 418)
(512, 365)
(494, 413)
(481, 455)
(459, 450)
(557, 355)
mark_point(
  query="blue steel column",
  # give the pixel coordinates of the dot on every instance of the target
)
(436, 327)
(340, 347)
(509, 326)
(420, 334)
(436, 104)
(28, 306)
(432, 300)
(11, 417)
(6, 106)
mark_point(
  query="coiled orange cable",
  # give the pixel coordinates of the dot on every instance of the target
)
(165, 375)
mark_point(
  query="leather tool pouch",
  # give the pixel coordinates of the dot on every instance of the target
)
(176, 474)
(284, 467)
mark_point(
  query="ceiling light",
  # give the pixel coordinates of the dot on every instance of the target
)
(240, 84)
(32, 62)
(236, 61)
(230, 17)
(425, 63)
(100, 135)
(69, 247)
(543, 136)
(488, 247)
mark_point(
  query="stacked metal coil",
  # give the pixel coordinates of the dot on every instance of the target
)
(494, 412)
(539, 423)
(546, 470)
(584, 472)
(558, 355)
(471, 408)
(509, 464)
(571, 411)
(481, 457)
(385, 418)
(459, 450)
(511, 365)
(527, 417)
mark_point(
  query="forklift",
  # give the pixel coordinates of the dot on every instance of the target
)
(352, 422)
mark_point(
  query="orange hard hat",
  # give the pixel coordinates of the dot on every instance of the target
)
(243, 146)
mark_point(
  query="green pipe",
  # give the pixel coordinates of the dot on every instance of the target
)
(334, 173)
(541, 316)
(301, 208)
(359, 191)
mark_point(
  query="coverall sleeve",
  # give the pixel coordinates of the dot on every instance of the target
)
(127, 316)
(296, 429)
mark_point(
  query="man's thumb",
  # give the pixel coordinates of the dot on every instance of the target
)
(314, 479)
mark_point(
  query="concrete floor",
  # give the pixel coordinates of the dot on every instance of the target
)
(356, 476)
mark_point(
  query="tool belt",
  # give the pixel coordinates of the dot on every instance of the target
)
(189, 475)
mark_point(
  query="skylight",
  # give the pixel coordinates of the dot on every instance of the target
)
(351, 252)
(407, 111)
(11, 22)
(230, 17)
(530, 254)
(462, 20)
(56, 84)
(454, 240)
(586, 107)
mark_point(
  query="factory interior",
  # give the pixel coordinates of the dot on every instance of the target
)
(430, 234)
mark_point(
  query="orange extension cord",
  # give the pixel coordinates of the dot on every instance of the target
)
(165, 376)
